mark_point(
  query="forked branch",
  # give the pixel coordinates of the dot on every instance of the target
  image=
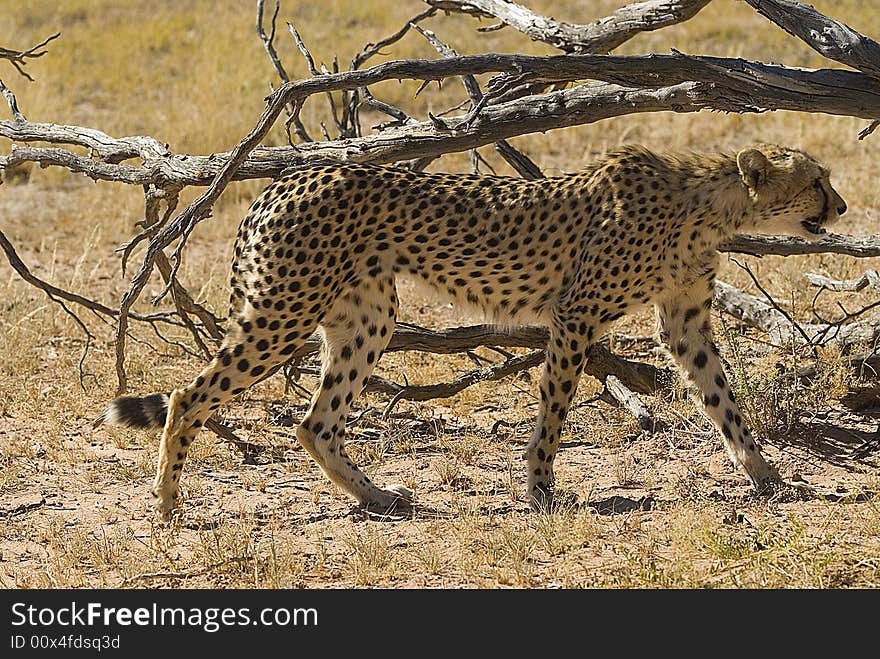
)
(19, 58)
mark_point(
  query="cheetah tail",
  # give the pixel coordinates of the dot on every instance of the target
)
(145, 412)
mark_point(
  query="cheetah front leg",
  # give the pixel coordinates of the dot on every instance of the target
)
(686, 330)
(356, 330)
(566, 355)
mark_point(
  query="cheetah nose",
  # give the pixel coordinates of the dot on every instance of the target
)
(841, 209)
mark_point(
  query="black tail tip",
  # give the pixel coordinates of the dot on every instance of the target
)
(135, 412)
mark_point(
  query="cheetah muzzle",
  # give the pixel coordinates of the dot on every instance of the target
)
(321, 250)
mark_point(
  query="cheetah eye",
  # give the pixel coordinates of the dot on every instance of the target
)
(815, 184)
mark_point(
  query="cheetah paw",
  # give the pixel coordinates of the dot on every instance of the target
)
(779, 489)
(767, 481)
(165, 506)
(541, 498)
(389, 499)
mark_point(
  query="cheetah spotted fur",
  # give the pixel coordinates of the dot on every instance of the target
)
(321, 248)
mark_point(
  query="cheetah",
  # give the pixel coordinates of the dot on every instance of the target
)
(321, 248)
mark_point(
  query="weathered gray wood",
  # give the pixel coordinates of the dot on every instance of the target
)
(601, 36)
(864, 247)
(630, 401)
(751, 310)
(869, 278)
(519, 161)
(757, 313)
(731, 84)
(833, 39)
(580, 105)
(106, 148)
(13, 104)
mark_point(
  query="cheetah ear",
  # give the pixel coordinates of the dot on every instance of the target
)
(753, 167)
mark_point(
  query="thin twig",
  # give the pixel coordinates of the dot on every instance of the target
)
(53, 291)
(268, 42)
(310, 62)
(186, 574)
(870, 128)
(447, 389)
(368, 51)
(476, 159)
(19, 57)
(13, 104)
(401, 117)
(371, 49)
(520, 162)
(869, 278)
(774, 304)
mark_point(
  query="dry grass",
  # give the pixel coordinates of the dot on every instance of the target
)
(663, 510)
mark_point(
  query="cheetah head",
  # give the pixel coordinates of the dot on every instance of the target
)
(790, 192)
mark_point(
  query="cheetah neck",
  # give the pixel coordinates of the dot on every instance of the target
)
(714, 198)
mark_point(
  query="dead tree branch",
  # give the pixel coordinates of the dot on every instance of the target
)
(183, 301)
(601, 36)
(107, 149)
(55, 292)
(60, 296)
(369, 50)
(268, 41)
(865, 247)
(627, 399)
(870, 128)
(19, 58)
(829, 37)
(780, 329)
(640, 377)
(869, 278)
(519, 161)
(447, 389)
(676, 82)
(11, 102)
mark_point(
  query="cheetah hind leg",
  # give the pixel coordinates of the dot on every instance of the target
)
(238, 365)
(356, 331)
(566, 358)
